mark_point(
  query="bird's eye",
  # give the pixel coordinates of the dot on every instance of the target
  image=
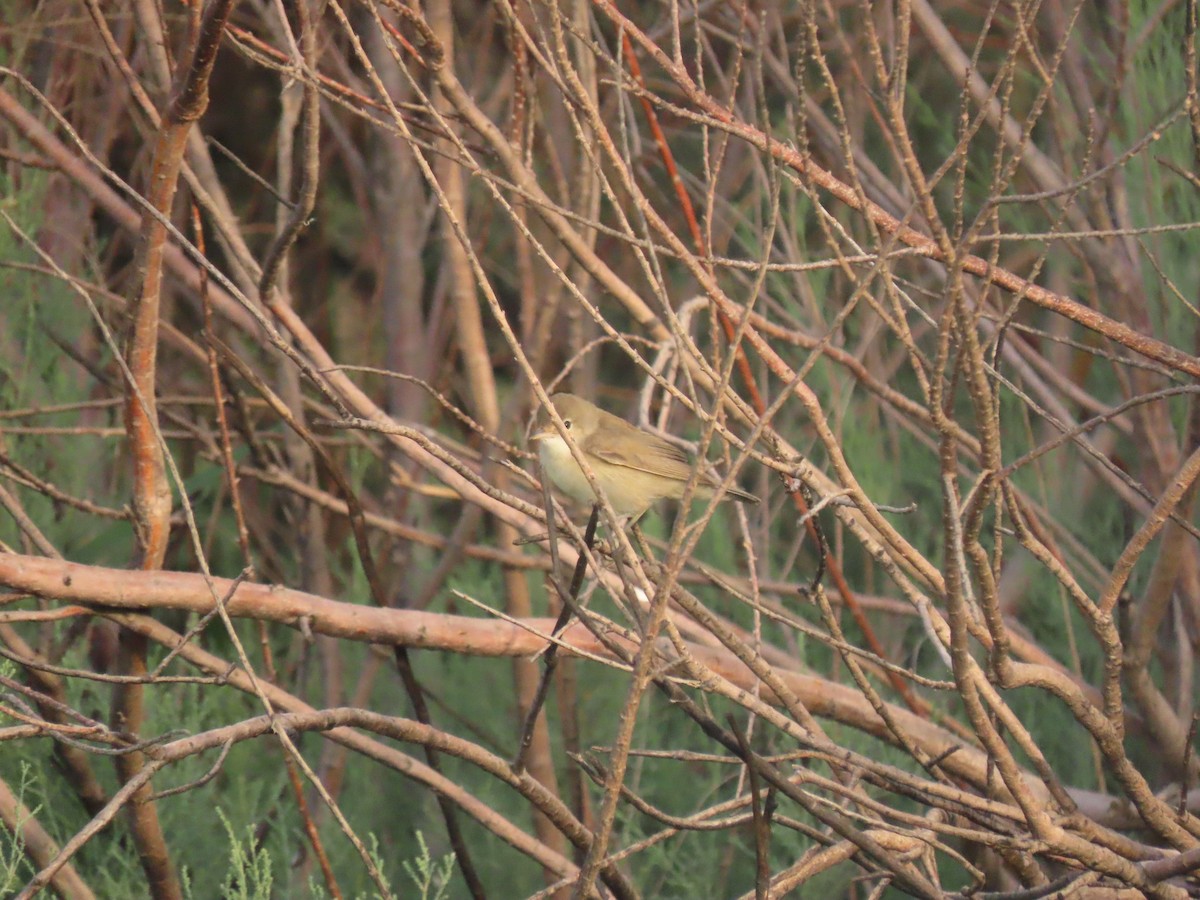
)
(567, 423)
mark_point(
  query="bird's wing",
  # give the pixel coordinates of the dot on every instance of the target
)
(656, 457)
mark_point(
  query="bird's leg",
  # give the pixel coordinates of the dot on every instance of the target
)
(550, 657)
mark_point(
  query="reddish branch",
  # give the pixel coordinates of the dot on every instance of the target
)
(151, 490)
(831, 563)
(1148, 346)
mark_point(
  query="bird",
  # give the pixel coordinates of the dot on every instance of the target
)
(633, 467)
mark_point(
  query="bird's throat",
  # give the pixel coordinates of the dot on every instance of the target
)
(560, 466)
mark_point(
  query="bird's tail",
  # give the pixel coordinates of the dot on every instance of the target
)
(739, 494)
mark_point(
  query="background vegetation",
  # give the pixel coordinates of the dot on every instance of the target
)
(282, 284)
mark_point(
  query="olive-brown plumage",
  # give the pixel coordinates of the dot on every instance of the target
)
(633, 467)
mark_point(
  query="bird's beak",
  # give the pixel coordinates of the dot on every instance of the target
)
(545, 431)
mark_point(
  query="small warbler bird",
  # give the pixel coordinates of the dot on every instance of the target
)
(633, 467)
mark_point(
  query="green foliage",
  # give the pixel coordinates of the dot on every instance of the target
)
(248, 876)
(40, 316)
(14, 866)
(430, 877)
(1160, 193)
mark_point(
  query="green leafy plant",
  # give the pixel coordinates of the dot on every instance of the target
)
(431, 877)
